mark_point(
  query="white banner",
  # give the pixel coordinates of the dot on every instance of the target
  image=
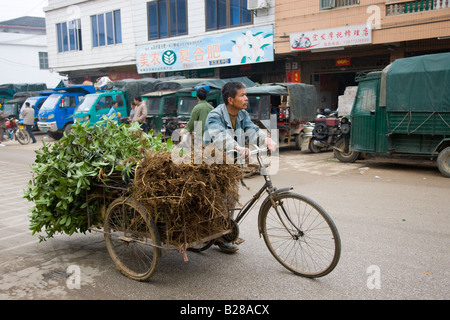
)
(239, 47)
(330, 38)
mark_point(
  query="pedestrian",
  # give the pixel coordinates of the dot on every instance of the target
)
(228, 126)
(113, 110)
(129, 119)
(200, 112)
(3, 117)
(28, 119)
(140, 112)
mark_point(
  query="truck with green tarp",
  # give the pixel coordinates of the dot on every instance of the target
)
(402, 110)
(285, 107)
(8, 90)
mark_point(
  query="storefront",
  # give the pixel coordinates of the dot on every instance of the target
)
(330, 59)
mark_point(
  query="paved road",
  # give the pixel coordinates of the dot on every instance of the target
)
(393, 218)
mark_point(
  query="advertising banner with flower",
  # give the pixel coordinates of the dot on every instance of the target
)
(331, 38)
(239, 47)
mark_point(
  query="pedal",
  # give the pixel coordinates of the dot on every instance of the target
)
(239, 241)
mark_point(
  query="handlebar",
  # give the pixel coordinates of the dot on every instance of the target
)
(252, 152)
(259, 150)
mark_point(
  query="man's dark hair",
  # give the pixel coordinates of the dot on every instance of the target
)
(138, 98)
(230, 89)
(27, 104)
(202, 93)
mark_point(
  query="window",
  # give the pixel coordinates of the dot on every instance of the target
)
(227, 13)
(170, 105)
(367, 99)
(104, 103)
(69, 35)
(119, 100)
(166, 18)
(43, 60)
(68, 102)
(106, 29)
(329, 4)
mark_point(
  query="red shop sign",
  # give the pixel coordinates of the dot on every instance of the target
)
(342, 62)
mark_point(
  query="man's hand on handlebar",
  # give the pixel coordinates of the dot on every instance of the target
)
(244, 152)
(270, 144)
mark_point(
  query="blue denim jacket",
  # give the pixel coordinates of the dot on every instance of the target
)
(111, 111)
(219, 130)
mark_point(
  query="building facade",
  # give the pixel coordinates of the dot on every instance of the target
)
(327, 41)
(139, 38)
(320, 42)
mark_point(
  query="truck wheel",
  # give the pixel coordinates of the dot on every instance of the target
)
(313, 147)
(67, 128)
(299, 140)
(341, 155)
(55, 135)
(443, 162)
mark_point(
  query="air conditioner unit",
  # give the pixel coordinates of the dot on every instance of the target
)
(257, 4)
(327, 4)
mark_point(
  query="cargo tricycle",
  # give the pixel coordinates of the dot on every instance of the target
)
(297, 231)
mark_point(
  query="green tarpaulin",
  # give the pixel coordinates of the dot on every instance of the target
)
(419, 84)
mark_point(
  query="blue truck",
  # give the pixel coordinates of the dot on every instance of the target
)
(56, 114)
(36, 102)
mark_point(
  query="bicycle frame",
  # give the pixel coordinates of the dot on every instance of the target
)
(268, 186)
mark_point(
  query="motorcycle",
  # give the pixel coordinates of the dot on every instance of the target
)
(16, 130)
(328, 129)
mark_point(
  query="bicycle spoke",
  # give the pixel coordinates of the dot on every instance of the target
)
(129, 238)
(301, 236)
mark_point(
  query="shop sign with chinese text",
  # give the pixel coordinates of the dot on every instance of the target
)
(220, 50)
(331, 38)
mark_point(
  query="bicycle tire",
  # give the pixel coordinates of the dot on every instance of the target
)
(130, 238)
(312, 247)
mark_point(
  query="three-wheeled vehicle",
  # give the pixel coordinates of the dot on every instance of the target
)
(285, 107)
(402, 110)
(163, 102)
(8, 90)
(95, 105)
(56, 114)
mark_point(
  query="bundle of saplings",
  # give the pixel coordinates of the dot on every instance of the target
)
(190, 200)
(67, 172)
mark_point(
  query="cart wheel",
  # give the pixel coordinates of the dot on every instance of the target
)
(130, 237)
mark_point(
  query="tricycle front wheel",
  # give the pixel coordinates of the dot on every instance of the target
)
(131, 238)
(300, 235)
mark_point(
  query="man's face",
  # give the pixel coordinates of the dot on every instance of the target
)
(240, 101)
